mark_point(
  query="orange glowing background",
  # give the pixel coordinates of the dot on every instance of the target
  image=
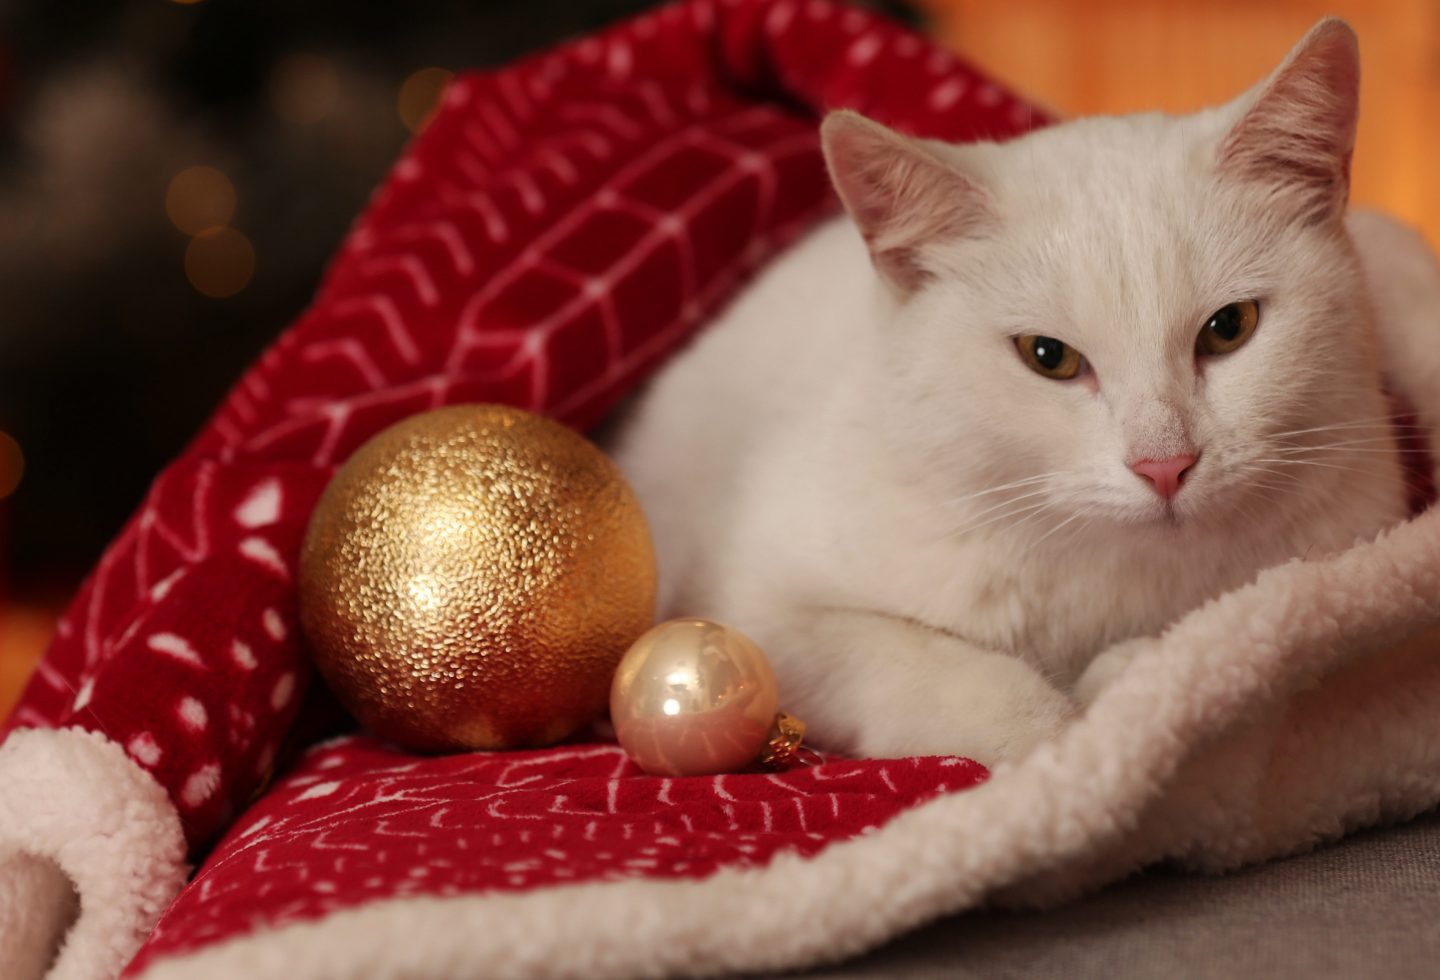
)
(24, 634)
(1110, 56)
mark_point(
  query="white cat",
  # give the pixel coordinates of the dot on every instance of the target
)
(1078, 384)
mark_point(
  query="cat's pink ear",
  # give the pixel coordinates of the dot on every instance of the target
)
(900, 194)
(1297, 134)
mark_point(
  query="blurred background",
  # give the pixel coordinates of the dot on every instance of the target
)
(173, 176)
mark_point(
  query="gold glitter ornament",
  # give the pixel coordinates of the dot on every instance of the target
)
(693, 698)
(471, 577)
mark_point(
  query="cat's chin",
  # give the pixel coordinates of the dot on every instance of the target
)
(1197, 517)
(1172, 517)
(1169, 517)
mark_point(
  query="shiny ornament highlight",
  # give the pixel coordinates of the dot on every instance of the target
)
(692, 698)
(472, 576)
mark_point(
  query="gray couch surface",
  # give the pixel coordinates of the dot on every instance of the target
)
(1367, 907)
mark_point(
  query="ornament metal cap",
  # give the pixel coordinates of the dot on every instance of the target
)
(782, 750)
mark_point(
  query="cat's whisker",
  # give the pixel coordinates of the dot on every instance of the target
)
(1380, 424)
(1349, 437)
(1366, 452)
(1255, 488)
(1011, 500)
(1274, 471)
(1071, 530)
(1247, 512)
(1292, 461)
(1357, 451)
(1346, 443)
(1033, 516)
(1069, 520)
(1390, 421)
(1283, 519)
(1027, 481)
(971, 528)
(1274, 487)
(1007, 506)
(1358, 434)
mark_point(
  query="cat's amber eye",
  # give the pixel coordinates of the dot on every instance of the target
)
(1050, 357)
(1228, 327)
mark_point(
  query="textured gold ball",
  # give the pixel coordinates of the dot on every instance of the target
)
(471, 577)
(692, 698)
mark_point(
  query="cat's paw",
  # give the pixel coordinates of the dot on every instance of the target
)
(989, 723)
(1105, 669)
(1042, 718)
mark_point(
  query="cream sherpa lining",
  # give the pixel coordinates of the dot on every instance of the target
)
(37, 905)
(1218, 746)
(79, 819)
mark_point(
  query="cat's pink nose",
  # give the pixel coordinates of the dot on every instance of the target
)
(1165, 475)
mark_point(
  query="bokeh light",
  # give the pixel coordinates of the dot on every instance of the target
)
(12, 465)
(419, 94)
(199, 198)
(219, 262)
(304, 88)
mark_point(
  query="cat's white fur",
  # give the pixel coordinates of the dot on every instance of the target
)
(820, 467)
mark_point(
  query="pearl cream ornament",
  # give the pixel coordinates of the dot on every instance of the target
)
(472, 576)
(692, 697)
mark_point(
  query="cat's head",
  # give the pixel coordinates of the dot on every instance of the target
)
(1140, 315)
